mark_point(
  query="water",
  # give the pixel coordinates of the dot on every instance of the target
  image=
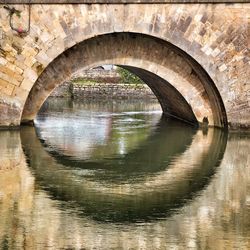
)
(117, 175)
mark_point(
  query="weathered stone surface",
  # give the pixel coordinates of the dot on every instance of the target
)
(215, 36)
(63, 90)
(99, 75)
(111, 91)
(160, 65)
(101, 84)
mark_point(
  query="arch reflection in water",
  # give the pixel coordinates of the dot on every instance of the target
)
(149, 182)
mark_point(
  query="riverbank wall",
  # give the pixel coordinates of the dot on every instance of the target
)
(97, 84)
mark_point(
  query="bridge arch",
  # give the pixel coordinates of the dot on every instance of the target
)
(183, 88)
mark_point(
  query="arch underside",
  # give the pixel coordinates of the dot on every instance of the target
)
(182, 87)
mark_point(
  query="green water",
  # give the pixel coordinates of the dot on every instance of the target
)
(117, 175)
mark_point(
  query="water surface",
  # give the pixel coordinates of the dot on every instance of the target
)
(117, 175)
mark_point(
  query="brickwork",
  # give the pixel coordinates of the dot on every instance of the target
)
(62, 91)
(101, 84)
(97, 75)
(157, 70)
(211, 69)
(111, 91)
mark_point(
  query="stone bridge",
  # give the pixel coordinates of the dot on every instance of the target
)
(193, 54)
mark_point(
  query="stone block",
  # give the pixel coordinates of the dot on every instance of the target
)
(3, 61)
(9, 113)
(6, 88)
(9, 79)
(20, 94)
(30, 74)
(26, 84)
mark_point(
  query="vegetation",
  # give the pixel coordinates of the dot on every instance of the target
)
(128, 77)
(83, 81)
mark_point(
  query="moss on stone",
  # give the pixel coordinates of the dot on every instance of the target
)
(83, 81)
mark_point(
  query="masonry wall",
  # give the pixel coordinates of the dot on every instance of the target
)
(101, 84)
(216, 36)
(111, 90)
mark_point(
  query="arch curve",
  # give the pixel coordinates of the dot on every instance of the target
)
(183, 88)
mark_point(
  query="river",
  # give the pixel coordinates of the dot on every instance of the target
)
(118, 175)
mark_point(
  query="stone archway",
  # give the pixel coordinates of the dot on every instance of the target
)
(183, 88)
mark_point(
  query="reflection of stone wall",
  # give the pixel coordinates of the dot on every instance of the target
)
(16, 191)
(221, 215)
(218, 218)
(10, 150)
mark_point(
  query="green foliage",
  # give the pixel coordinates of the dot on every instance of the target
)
(128, 77)
(83, 81)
